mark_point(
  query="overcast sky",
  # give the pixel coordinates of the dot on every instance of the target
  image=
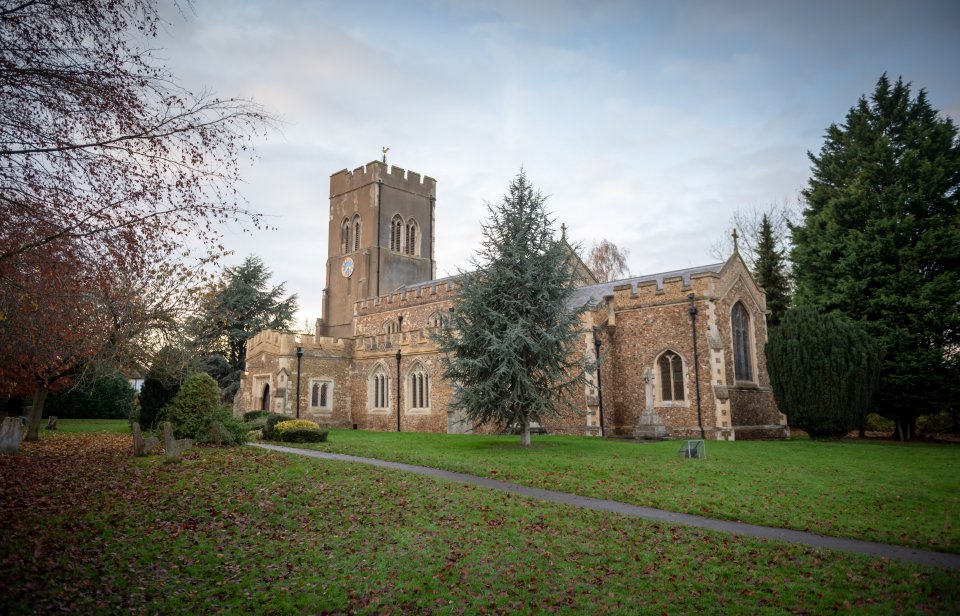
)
(646, 123)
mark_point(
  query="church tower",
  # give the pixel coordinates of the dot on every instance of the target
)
(381, 238)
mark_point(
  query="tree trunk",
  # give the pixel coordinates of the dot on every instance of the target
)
(36, 412)
(863, 427)
(525, 435)
(906, 428)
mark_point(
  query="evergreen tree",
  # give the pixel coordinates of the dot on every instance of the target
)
(161, 383)
(770, 272)
(241, 304)
(823, 370)
(512, 345)
(880, 243)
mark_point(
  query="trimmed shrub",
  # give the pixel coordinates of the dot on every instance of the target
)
(256, 423)
(254, 415)
(293, 424)
(272, 420)
(876, 423)
(823, 370)
(195, 407)
(303, 435)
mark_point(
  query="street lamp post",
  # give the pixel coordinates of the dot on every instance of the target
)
(299, 357)
(400, 319)
(696, 355)
(596, 346)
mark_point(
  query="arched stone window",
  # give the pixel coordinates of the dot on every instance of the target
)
(321, 394)
(742, 366)
(670, 367)
(356, 231)
(413, 238)
(391, 327)
(435, 320)
(396, 233)
(379, 394)
(345, 236)
(419, 383)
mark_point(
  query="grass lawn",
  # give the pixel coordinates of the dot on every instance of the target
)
(119, 426)
(889, 492)
(91, 529)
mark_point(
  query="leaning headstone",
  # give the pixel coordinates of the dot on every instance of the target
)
(11, 433)
(174, 447)
(52, 422)
(142, 446)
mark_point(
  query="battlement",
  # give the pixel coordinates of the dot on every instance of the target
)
(285, 343)
(432, 291)
(344, 181)
(669, 287)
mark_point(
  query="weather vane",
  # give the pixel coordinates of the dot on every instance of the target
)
(385, 149)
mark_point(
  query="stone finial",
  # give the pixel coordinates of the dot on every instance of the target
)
(11, 433)
(736, 246)
(174, 447)
(142, 446)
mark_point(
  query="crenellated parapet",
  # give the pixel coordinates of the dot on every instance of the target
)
(411, 295)
(278, 343)
(375, 171)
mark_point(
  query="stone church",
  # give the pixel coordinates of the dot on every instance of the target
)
(682, 352)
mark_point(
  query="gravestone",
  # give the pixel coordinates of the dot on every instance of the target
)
(11, 433)
(174, 447)
(142, 446)
(52, 422)
(649, 426)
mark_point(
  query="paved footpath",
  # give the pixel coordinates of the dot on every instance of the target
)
(869, 548)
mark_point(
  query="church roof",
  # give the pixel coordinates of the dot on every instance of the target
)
(592, 294)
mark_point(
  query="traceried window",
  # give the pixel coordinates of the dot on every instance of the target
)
(435, 320)
(413, 236)
(356, 231)
(379, 389)
(345, 236)
(419, 383)
(321, 394)
(396, 234)
(671, 377)
(743, 371)
(391, 327)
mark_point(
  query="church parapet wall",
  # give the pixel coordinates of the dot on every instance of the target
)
(345, 181)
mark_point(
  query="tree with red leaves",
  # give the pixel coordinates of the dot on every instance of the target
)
(108, 172)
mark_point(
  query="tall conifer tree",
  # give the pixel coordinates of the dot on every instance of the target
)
(770, 272)
(512, 346)
(880, 243)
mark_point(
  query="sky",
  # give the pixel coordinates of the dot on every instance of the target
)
(646, 123)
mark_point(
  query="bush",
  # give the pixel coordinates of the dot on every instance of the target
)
(109, 397)
(195, 407)
(876, 423)
(944, 422)
(272, 420)
(256, 424)
(303, 435)
(823, 370)
(293, 424)
(254, 415)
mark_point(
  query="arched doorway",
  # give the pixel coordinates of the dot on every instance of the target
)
(265, 402)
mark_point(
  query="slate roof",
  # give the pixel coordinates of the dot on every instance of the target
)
(594, 293)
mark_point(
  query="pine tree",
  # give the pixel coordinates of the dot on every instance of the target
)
(241, 304)
(880, 243)
(823, 370)
(770, 272)
(512, 346)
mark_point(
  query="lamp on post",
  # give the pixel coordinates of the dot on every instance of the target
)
(696, 356)
(596, 346)
(299, 357)
(400, 319)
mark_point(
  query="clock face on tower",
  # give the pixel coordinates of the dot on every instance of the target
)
(346, 268)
